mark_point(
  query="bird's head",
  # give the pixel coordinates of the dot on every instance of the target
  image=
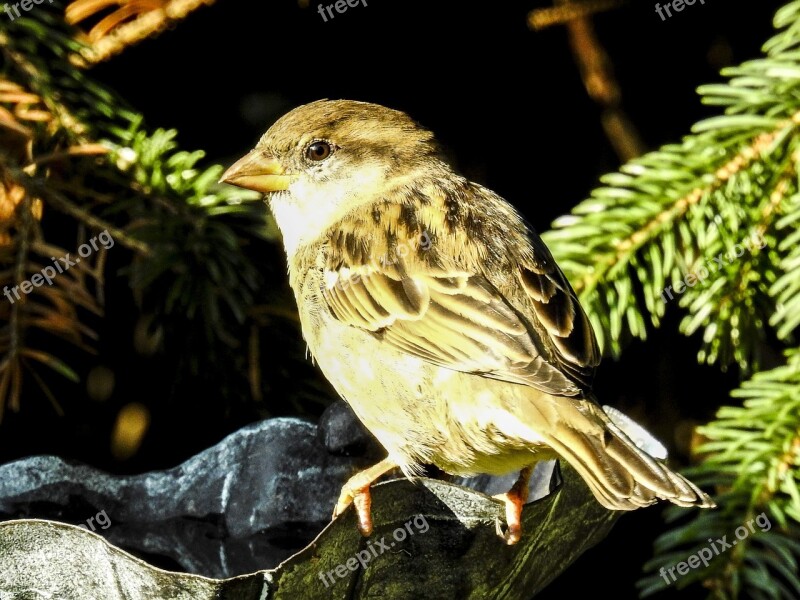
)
(322, 160)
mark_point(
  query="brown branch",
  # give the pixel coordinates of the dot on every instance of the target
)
(254, 364)
(146, 25)
(60, 202)
(597, 73)
(58, 110)
(11, 362)
(542, 18)
(84, 150)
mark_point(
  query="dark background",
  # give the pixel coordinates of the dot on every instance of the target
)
(510, 105)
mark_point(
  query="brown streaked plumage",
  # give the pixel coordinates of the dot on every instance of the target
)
(437, 314)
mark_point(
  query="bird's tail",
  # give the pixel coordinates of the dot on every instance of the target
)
(621, 474)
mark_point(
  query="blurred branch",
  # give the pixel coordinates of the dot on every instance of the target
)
(116, 31)
(62, 203)
(542, 18)
(32, 74)
(595, 67)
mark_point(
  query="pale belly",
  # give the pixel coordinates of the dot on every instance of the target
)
(422, 413)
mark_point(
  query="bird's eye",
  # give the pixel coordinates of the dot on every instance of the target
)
(318, 151)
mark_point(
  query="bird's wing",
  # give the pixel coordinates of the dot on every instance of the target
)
(548, 300)
(524, 326)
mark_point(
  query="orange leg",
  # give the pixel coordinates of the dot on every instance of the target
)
(515, 499)
(356, 491)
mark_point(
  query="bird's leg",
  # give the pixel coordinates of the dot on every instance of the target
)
(356, 491)
(515, 499)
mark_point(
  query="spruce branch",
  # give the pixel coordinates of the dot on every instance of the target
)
(712, 225)
(753, 455)
(60, 202)
(666, 214)
(84, 154)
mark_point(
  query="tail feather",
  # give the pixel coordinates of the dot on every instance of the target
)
(620, 474)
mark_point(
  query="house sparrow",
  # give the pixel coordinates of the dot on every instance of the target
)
(437, 314)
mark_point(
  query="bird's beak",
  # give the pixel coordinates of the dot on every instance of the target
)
(258, 172)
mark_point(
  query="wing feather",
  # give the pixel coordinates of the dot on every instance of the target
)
(508, 313)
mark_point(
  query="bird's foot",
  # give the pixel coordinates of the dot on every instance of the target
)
(514, 499)
(356, 492)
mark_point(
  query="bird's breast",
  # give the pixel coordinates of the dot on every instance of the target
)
(420, 412)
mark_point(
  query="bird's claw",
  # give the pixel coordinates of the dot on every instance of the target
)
(513, 532)
(356, 491)
(362, 500)
(514, 500)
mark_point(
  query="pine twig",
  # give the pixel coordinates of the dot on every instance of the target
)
(62, 203)
(148, 24)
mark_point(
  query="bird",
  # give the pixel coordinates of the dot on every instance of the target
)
(438, 314)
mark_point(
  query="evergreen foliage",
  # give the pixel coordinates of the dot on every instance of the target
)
(709, 226)
(76, 157)
(712, 225)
